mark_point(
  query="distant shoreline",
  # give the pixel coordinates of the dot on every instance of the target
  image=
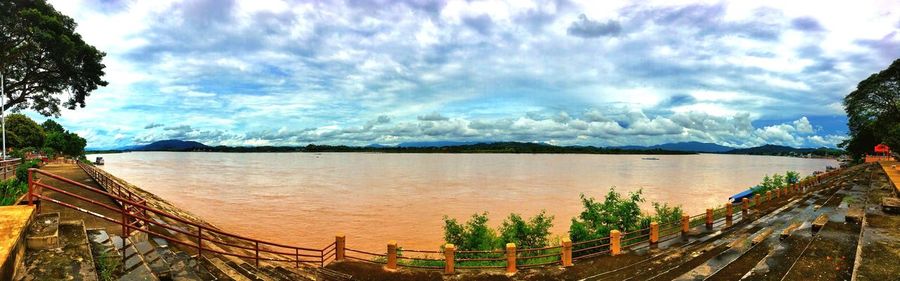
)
(477, 148)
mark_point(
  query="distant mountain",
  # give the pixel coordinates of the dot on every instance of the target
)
(437, 143)
(691, 146)
(771, 149)
(171, 145)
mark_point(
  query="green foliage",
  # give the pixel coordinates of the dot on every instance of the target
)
(46, 63)
(474, 235)
(526, 234)
(665, 214)
(10, 190)
(66, 143)
(22, 170)
(873, 112)
(51, 126)
(776, 181)
(107, 266)
(792, 177)
(21, 131)
(615, 212)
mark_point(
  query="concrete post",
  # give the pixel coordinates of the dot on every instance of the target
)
(615, 242)
(654, 232)
(768, 196)
(392, 255)
(728, 211)
(756, 199)
(340, 243)
(449, 259)
(709, 218)
(685, 224)
(745, 207)
(510, 258)
(566, 252)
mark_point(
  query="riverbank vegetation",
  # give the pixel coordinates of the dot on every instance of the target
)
(776, 181)
(479, 245)
(13, 188)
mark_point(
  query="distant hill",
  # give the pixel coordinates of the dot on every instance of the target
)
(771, 149)
(171, 145)
(691, 146)
(437, 143)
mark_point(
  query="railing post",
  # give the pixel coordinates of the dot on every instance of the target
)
(510, 258)
(615, 242)
(769, 196)
(654, 232)
(257, 252)
(756, 200)
(566, 252)
(340, 242)
(685, 224)
(30, 187)
(709, 218)
(200, 242)
(392, 255)
(728, 211)
(449, 259)
(745, 207)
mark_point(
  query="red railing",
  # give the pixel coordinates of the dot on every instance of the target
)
(9, 167)
(136, 215)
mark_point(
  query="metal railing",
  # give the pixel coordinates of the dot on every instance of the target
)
(136, 215)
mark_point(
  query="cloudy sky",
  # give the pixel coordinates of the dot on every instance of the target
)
(268, 72)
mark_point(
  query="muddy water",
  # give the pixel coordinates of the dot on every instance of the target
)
(305, 198)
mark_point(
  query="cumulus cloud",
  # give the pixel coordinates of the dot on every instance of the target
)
(242, 72)
(587, 28)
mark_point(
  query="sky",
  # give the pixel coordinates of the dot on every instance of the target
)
(602, 73)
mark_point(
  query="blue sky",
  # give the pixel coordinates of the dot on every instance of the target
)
(268, 72)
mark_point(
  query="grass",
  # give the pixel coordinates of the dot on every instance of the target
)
(107, 266)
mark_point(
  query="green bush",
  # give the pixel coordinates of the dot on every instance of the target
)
(10, 190)
(22, 170)
(615, 212)
(666, 214)
(474, 235)
(526, 234)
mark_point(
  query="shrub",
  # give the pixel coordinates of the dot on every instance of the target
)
(22, 170)
(10, 190)
(615, 212)
(526, 234)
(666, 214)
(474, 235)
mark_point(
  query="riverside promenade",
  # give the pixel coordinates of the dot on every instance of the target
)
(830, 229)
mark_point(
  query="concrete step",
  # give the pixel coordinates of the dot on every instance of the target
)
(134, 268)
(70, 260)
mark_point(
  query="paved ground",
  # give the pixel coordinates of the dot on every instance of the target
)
(76, 174)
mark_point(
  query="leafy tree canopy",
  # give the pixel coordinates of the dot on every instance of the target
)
(45, 63)
(21, 132)
(874, 112)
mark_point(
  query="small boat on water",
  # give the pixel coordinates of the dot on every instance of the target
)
(98, 161)
(649, 158)
(740, 196)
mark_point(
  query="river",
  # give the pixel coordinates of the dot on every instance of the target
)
(306, 198)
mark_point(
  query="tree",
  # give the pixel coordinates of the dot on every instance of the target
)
(874, 112)
(474, 235)
(44, 60)
(51, 126)
(21, 132)
(599, 218)
(526, 234)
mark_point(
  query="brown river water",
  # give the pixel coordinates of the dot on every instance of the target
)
(305, 199)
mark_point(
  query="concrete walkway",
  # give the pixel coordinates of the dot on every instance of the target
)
(73, 172)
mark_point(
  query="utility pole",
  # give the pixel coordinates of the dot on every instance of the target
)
(3, 111)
